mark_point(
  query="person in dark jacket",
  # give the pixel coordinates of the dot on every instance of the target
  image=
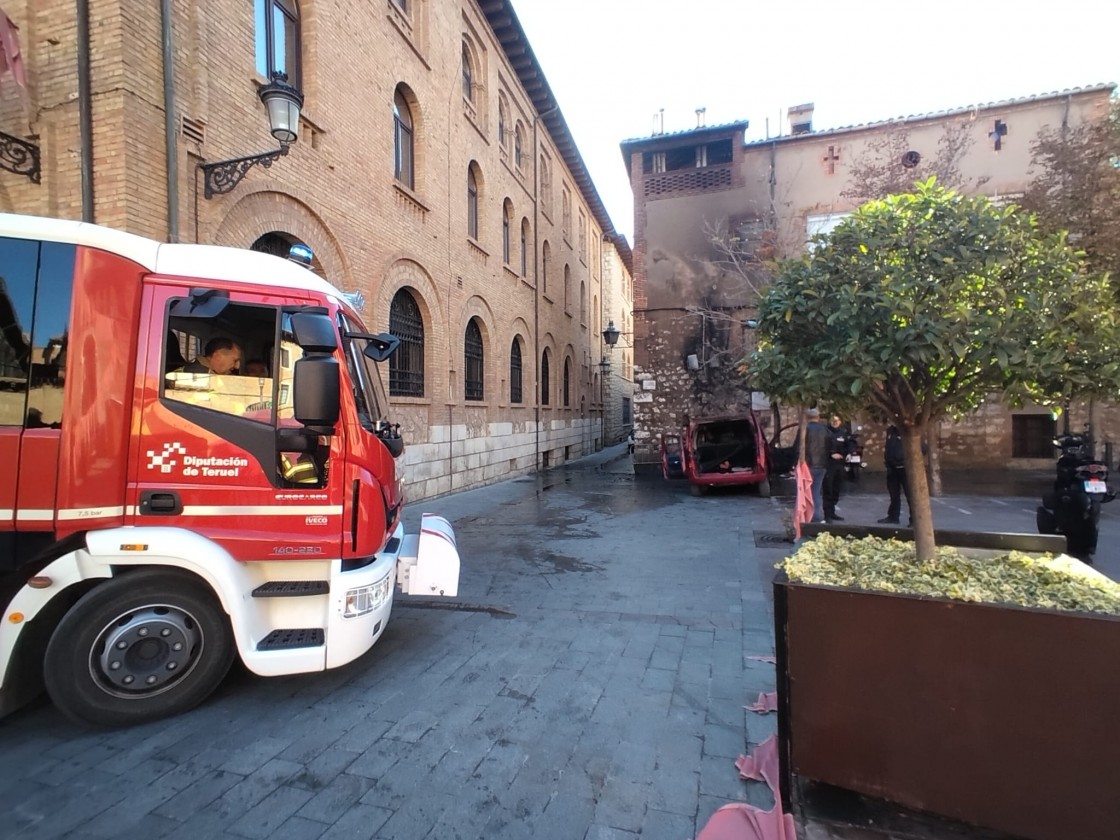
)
(896, 476)
(816, 457)
(834, 473)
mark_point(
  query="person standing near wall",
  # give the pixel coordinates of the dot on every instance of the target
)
(896, 476)
(834, 472)
(816, 457)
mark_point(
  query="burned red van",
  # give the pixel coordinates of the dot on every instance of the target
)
(725, 451)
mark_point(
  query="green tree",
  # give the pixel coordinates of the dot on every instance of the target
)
(920, 306)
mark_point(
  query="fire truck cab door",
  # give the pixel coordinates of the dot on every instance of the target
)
(220, 451)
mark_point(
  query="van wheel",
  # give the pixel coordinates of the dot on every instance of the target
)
(141, 646)
(697, 489)
(764, 488)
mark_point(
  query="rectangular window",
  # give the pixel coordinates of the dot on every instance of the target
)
(626, 410)
(719, 152)
(234, 369)
(1032, 435)
(35, 293)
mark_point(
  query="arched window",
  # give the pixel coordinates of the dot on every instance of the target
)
(546, 186)
(472, 203)
(402, 141)
(279, 244)
(567, 383)
(518, 145)
(524, 247)
(507, 221)
(515, 371)
(468, 73)
(277, 33)
(544, 378)
(546, 260)
(406, 366)
(472, 359)
(503, 121)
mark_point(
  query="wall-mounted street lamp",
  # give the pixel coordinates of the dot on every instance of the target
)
(611, 335)
(283, 103)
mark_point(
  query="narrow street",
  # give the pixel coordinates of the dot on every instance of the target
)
(589, 682)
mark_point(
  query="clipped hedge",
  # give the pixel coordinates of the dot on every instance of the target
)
(877, 565)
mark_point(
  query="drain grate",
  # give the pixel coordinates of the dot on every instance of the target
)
(771, 539)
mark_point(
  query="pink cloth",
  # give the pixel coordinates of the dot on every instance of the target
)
(767, 702)
(762, 764)
(11, 58)
(747, 822)
(803, 508)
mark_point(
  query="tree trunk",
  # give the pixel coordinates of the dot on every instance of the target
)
(920, 510)
(932, 439)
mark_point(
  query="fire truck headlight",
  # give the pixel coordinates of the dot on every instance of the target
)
(365, 599)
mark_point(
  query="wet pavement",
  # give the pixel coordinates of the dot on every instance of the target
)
(589, 682)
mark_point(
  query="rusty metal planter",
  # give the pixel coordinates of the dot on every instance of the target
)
(998, 716)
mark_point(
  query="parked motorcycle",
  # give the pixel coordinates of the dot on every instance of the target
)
(853, 461)
(1073, 507)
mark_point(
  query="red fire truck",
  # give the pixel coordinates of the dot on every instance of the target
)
(162, 513)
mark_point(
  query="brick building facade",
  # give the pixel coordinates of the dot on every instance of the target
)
(765, 199)
(434, 172)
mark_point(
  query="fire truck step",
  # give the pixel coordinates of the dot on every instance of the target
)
(291, 588)
(285, 639)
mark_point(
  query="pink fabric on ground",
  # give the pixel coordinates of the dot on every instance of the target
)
(767, 702)
(762, 764)
(747, 822)
(803, 508)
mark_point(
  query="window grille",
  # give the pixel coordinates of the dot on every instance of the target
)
(515, 372)
(1032, 435)
(472, 356)
(406, 366)
(544, 378)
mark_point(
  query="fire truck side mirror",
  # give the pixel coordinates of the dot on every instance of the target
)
(316, 393)
(314, 332)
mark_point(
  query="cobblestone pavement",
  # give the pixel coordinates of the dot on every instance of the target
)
(589, 682)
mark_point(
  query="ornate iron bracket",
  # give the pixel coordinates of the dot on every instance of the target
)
(19, 156)
(223, 175)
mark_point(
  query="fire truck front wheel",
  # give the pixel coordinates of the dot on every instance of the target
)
(141, 646)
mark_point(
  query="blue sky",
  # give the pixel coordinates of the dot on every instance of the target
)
(613, 64)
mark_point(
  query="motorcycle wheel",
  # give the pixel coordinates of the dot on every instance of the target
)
(1044, 520)
(853, 472)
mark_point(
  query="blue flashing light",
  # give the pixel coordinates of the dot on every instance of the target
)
(301, 254)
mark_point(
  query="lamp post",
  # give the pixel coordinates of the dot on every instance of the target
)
(283, 103)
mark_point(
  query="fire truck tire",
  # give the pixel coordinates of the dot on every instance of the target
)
(141, 646)
(764, 488)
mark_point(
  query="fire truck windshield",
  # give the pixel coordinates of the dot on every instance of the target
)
(369, 392)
